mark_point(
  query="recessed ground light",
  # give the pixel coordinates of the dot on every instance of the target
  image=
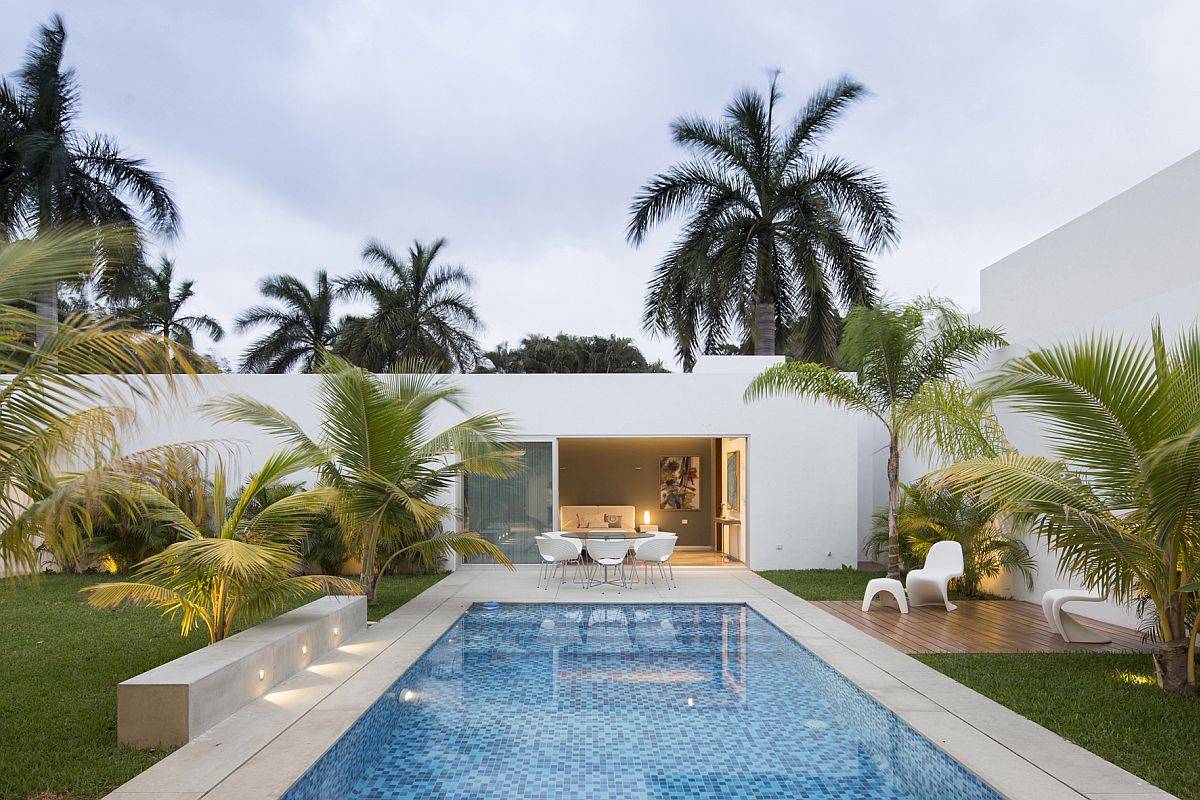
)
(262, 673)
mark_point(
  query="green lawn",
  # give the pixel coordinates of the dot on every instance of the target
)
(822, 584)
(58, 674)
(1105, 702)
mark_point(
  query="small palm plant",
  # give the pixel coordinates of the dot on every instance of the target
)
(930, 513)
(231, 565)
(390, 475)
(1117, 499)
(910, 360)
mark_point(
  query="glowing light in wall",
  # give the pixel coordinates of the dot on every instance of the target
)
(262, 673)
(303, 649)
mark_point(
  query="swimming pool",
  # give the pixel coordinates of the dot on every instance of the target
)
(664, 701)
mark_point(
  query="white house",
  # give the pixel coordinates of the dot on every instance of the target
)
(776, 481)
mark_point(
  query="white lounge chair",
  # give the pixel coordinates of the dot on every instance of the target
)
(1067, 625)
(931, 584)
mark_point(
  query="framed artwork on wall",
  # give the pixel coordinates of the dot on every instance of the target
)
(732, 489)
(679, 483)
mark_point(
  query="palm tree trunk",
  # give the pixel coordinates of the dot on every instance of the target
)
(764, 329)
(366, 576)
(893, 479)
(47, 311)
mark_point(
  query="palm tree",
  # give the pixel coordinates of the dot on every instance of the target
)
(235, 564)
(155, 304)
(422, 312)
(909, 359)
(1116, 500)
(775, 233)
(300, 332)
(48, 404)
(391, 475)
(930, 513)
(54, 175)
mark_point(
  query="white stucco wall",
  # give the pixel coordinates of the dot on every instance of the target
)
(801, 464)
(1113, 269)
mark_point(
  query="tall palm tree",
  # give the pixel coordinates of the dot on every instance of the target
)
(54, 175)
(300, 331)
(48, 405)
(390, 473)
(234, 564)
(154, 303)
(774, 232)
(423, 312)
(1117, 499)
(910, 360)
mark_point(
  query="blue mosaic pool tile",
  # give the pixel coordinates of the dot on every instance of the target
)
(628, 702)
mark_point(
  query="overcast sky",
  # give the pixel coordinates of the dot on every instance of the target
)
(291, 132)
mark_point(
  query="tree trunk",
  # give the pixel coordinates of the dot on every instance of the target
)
(366, 576)
(893, 479)
(1171, 666)
(764, 329)
(47, 311)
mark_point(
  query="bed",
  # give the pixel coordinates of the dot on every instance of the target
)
(576, 518)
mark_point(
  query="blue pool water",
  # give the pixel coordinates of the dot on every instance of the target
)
(673, 702)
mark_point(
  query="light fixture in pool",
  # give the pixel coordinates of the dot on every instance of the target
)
(409, 695)
(691, 702)
(490, 605)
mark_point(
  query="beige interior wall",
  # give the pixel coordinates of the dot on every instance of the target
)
(625, 472)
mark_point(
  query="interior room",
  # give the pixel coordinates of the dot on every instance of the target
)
(693, 487)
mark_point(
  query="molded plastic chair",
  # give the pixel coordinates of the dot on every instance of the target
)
(931, 584)
(556, 554)
(608, 553)
(1067, 625)
(577, 543)
(657, 552)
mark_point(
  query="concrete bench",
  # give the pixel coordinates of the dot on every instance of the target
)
(172, 704)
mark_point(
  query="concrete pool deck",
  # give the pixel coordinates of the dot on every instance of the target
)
(262, 749)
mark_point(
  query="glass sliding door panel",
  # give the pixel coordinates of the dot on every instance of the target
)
(509, 512)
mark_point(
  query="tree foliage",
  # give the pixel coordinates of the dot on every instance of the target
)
(422, 312)
(1118, 499)
(566, 353)
(908, 363)
(301, 326)
(391, 475)
(775, 233)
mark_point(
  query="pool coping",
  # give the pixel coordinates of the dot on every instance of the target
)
(262, 749)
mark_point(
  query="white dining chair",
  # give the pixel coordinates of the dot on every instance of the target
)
(556, 555)
(577, 543)
(656, 553)
(609, 554)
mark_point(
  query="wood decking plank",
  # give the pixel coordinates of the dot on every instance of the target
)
(978, 626)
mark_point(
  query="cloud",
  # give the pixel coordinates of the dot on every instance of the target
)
(520, 131)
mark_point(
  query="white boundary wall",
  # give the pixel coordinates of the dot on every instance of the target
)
(1113, 269)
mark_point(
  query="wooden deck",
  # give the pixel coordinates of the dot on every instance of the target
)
(978, 626)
